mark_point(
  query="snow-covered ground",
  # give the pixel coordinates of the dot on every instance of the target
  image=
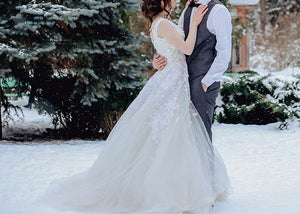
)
(31, 122)
(263, 164)
(262, 161)
(285, 74)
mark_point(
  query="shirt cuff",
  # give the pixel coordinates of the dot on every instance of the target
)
(207, 80)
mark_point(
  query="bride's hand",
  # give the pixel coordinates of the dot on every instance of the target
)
(188, 3)
(199, 14)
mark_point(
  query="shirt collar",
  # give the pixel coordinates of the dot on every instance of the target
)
(202, 2)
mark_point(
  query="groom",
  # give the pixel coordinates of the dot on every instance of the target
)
(210, 57)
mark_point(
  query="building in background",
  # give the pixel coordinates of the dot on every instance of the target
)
(240, 51)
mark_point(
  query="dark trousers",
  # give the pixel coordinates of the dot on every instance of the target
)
(204, 101)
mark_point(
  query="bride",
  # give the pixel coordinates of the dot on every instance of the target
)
(158, 159)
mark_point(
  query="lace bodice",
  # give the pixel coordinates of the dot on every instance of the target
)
(168, 89)
(165, 48)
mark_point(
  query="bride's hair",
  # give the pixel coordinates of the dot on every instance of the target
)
(150, 8)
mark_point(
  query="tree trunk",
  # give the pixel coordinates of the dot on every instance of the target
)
(263, 16)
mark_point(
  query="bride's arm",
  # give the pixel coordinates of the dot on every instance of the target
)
(165, 30)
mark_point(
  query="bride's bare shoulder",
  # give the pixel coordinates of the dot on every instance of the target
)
(162, 25)
(159, 21)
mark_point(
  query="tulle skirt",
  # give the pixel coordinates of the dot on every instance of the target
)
(148, 165)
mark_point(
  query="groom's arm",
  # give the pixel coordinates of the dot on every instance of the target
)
(159, 62)
(221, 22)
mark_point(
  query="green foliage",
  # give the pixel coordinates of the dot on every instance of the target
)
(259, 100)
(47, 43)
(248, 72)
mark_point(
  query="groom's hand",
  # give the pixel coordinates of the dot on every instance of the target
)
(204, 87)
(159, 62)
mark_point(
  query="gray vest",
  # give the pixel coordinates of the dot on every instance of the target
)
(204, 52)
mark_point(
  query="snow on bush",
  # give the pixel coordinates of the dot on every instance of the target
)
(259, 99)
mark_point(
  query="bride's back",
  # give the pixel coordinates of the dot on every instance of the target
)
(165, 48)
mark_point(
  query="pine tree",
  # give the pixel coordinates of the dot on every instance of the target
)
(86, 42)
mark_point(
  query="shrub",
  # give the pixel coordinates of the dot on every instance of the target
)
(259, 100)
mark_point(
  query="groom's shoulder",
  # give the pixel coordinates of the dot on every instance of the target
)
(218, 4)
(221, 8)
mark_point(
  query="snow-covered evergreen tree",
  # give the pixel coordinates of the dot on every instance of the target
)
(85, 40)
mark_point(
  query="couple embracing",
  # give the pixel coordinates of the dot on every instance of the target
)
(159, 157)
(210, 56)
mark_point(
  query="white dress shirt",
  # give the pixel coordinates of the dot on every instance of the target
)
(219, 24)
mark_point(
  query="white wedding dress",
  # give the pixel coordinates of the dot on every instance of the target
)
(158, 159)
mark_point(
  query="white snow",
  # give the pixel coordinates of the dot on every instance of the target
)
(243, 2)
(285, 74)
(263, 164)
(32, 122)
